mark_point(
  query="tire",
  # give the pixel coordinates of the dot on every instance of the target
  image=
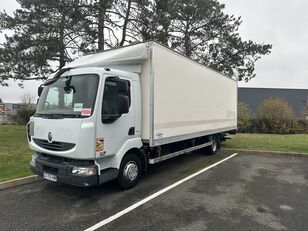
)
(130, 171)
(212, 149)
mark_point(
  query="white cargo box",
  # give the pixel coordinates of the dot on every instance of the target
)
(181, 99)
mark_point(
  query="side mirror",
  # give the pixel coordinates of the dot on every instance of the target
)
(39, 90)
(123, 104)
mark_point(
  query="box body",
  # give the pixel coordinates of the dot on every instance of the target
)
(182, 99)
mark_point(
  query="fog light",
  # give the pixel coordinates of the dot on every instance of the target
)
(84, 171)
(33, 158)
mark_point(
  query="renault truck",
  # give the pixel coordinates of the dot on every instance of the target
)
(110, 115)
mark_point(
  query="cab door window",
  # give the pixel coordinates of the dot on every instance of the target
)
(116, 97)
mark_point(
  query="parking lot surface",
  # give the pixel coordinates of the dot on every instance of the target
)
(247, 192)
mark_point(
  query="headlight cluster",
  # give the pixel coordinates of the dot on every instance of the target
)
(86, 171)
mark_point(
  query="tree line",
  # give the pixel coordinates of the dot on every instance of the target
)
(48, 34)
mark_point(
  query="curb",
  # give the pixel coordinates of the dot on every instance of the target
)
(268, 152)
(19, 181)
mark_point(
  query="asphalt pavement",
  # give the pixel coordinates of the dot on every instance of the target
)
(247, 192)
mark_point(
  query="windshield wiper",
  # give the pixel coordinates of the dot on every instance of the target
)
(42, 115)
(72, 115)
(49, 116)
(57, 115)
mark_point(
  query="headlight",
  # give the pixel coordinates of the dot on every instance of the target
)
(84, 171)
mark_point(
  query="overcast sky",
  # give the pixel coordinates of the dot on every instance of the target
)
(282, 23)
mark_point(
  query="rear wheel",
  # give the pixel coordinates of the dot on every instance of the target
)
(130, 171)
(212, 149)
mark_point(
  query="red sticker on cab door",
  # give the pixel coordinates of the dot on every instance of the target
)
(86, 112)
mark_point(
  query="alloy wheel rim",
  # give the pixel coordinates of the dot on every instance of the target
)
(130, 172)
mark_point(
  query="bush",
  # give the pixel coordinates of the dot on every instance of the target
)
(305, 112)
(302, 126)
(23, 116)
(244, 117)
(276, 117)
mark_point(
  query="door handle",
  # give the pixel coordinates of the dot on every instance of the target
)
(131, 131)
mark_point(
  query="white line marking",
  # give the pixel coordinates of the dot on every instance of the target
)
(145, 200)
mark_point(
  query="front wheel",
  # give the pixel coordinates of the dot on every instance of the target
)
(130, 171)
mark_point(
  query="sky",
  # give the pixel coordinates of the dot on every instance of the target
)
(13, 93)
(281, 23)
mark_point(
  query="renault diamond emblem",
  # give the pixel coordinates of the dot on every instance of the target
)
(49, 137)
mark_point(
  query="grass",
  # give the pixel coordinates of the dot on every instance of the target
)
(14, 152)
(287, 143)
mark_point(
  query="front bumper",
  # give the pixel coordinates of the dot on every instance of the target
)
(62, 169)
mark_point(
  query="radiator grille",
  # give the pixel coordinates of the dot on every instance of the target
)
(54, 146)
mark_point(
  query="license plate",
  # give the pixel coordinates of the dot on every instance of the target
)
(48, 176)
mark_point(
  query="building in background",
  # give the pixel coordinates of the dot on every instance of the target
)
(8, 110)
(254, 97)
(14, 107)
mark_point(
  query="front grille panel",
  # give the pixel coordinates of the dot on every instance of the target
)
(50, 169)
(54, 146)
(56, 159)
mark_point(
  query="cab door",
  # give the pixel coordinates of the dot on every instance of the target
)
(115, 126)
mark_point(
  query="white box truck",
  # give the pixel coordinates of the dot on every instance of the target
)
(109, 115)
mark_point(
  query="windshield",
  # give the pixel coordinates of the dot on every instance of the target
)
(71, 96)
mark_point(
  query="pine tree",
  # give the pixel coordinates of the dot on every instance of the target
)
(47, 34)
(151, 21)
(200, 30)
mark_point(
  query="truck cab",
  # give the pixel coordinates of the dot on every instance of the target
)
(82, 121)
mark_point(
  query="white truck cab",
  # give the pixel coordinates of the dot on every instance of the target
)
(95, 120)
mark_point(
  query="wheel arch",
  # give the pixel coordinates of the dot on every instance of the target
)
(141, 153)
(130, 146)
